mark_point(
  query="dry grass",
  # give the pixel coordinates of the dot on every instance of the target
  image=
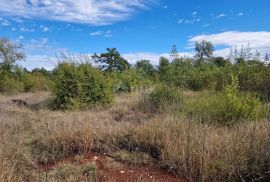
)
(184, 146)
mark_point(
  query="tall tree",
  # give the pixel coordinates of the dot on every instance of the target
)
(174, 53)
(204, 50)
(111, 61)
(164, 69)
(10, 53)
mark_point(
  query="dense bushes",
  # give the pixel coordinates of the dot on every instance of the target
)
(162, 99)
(9, 84)
(226, 107)
(80, 86)
(234, 106)
(36, 82)
(23, 81)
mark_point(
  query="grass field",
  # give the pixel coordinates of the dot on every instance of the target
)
(122, 142)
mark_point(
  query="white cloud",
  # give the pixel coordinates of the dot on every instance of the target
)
(192, 20)
(220, 16)
(5, 23)
(258, 40)
(24, 29)
(95, 12)
(44, 29)
(240, 14)
(194, 13)
(97, 33)
(21, 37)
(102, 33)
(39, 61)
(187, 21)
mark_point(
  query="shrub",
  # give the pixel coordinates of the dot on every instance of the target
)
(80, 86)
(128, 81)
(235, 107)
(36, 82)
(201, 78)
(9, 84)
(163, 98)
(226, 107)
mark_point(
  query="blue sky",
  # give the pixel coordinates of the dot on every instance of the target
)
(137, 28)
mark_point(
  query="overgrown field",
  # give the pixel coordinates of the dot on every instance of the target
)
(188, 119)
(33, 138)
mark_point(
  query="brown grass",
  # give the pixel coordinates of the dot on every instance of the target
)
(184, 146)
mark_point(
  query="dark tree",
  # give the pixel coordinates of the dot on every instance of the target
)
(220, 61)
(111, 61)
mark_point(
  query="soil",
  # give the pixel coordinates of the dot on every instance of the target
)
(107, 169)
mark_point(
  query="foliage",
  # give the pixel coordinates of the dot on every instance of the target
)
(36, 82)
(9, 84)
(111, 61)
(220, 61)
(145, 68)
(204, 50)
(129, 80)
(80, 86)
(164, 98)
(235, 107)
(10, 53)
(164, 69)
(226, 107)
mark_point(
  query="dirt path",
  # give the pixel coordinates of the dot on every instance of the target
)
(107, 169)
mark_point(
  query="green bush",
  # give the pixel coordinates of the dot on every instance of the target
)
(164, 98)
(233, 106)
(226, 107)
(128, 81)
(80, 86)
(36, 82)
(9, 84)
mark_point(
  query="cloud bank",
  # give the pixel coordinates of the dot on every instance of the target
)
(94, 12)
(258, 40)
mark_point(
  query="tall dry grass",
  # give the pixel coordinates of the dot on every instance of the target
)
(184, 146)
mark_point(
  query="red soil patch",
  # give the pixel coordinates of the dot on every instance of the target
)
(121, 173)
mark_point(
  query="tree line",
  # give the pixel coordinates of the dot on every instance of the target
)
(201, 72)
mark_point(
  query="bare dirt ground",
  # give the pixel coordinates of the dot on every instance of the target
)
(108, 169)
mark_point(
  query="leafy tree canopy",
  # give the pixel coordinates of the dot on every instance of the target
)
(111, 61)
(10, 53)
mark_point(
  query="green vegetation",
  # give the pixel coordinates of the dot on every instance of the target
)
(205, 118)
(163, 99)
(80, 86)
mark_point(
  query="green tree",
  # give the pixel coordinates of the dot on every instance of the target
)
(145, 68)
(111, 61)
(174, 53)
(220, 61)
(164, 69)
(10, 53)
(204, 50)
